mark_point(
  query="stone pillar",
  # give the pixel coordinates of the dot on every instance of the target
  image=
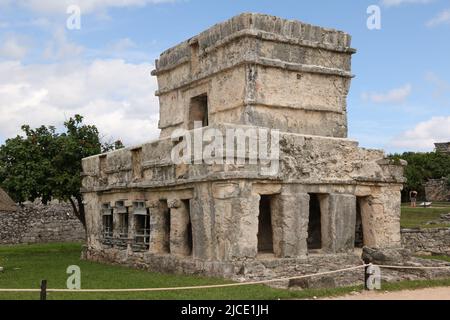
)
(179, 228)
(246, 212)
(290, 225)
(338, 212)
(131, 228)
(382, 213)
(159, 227)
(201, 214)
(94, 219)
(116, 222)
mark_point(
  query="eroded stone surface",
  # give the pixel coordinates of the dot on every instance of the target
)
(253, 72)
(39, 223)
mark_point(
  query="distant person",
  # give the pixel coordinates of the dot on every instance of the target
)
(413, 198)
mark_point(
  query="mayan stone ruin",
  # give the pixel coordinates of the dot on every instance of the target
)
(439, 189)
(327, 200)
(443, 148)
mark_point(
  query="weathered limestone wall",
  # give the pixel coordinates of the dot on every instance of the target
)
(38, 223)
(434, 241)
(303, 159)
(254, 62)
(229, 219)
(437, 190)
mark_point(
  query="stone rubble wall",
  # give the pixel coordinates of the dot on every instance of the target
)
(38, 223)
(426, 241)
(437, 190)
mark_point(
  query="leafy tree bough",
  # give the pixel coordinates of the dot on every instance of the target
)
(421, 167)
(44, 164)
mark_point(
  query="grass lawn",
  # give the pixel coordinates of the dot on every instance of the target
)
(26, 265)
(418, 217)
(442, 258)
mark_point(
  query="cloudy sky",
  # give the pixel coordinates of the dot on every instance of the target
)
(399, 100)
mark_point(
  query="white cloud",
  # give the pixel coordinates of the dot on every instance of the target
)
(121, 45)
(87, 6)
(423, 136)
(397, 95)
(442, 87)
(116, 96)
(396, 3)
(13, 47)
(60, 47)
(442, 18)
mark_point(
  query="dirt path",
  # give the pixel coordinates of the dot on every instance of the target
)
(421, 294)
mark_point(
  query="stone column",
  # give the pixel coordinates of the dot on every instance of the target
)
(94, 220)
(131, 228)
(116, 222)
(246, 212)
(382, 213)
(338, 216)
(159, 226)
(290, 225)
(201, 228)
(179, 224)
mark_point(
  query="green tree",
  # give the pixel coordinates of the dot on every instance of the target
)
(421, 167)
(47, 165)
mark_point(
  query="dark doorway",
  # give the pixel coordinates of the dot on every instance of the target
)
(314, 224)
(359, 235)
(190, 244)
(166, 222)
(265, 236)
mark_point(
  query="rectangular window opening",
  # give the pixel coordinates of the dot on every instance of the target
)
(198, 111)
(122, 211)
(142, 225)
(107, 221)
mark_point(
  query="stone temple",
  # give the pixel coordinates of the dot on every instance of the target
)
(328, 198)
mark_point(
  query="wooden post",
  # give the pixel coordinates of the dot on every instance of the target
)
(44, 290)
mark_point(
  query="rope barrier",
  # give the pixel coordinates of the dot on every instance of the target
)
(237, 284)
(190, 287)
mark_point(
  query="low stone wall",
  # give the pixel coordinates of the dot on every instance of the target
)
(270, 268)
(250, 270)
(38, 223)
(434, 241)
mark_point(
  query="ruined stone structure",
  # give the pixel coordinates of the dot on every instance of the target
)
(443, 147)
(439, 189)
(39, 223)
(234, 220)
(427, 241)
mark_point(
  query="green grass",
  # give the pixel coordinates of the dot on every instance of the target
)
(418, 217)
(26, 265)
(442, 258)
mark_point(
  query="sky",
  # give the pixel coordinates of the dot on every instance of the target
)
(399, 99)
